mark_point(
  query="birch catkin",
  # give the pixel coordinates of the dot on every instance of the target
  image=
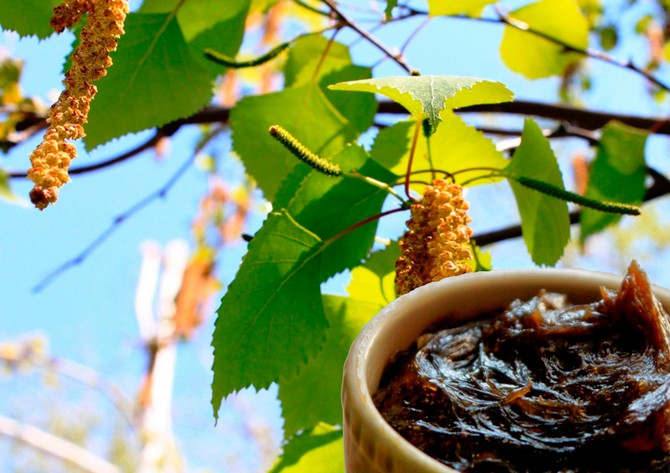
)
(51, 159)
(436, 244)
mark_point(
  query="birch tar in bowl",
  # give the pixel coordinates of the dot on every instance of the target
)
(507, 435)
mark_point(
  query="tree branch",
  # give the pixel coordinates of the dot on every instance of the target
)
(119, 219)
(586, 119)
(579, 118)
(55, 446)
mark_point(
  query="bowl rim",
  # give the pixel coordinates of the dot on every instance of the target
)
(359, 375)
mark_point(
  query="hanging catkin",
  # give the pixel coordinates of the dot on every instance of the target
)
(51, 159)
(436, 244)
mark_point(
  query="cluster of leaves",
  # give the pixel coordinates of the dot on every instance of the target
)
(274, 324)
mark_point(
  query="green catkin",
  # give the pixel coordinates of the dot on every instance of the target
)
(553, 191)
(232, 63)
(301, 152)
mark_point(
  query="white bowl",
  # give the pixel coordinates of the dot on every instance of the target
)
(373, 446)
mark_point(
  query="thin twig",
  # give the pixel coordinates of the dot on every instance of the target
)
(119, 219)
(504, 19)
(359, 224)
(397, 57)
(589, 52)
(308, 7)
(55, 446)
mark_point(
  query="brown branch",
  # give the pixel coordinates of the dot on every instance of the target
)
(575, 117)
(585, 119)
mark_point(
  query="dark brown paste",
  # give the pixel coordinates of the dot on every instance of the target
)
(543, 386)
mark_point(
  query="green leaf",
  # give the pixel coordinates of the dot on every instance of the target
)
(6, 193)
(27, 18)
(391, 146)
(359, 109)
(455, 7)
(454, 147)
(271, 318)
(327, 206)
(536, 57)
(304, 112)
(262, 6)
(154, 80)
(617, 174)
(388, 11)
(195, 17)
(225, 37)
(316, 451)
(374, 281)
(545, 221)
(427, 96)
(313, 395)
(305, 56)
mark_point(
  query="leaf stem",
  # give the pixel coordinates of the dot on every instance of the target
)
(359, 224)
(324, 54)
(379, 184)
(412, 150)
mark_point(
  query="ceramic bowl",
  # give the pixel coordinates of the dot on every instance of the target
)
(373, 446)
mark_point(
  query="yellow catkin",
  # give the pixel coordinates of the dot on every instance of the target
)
(51, 159)
(436, 244)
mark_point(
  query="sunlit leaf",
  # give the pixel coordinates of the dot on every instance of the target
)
(388, 11)
(454, 147)
(6, 193)
(146, 86)
(359, 109)
(455, 7)
(617, 174)
(313, 395)
(316, 451)
(373, 282)
(28, 17)
(427, 96)
(196, 17)
(545, 221)
(304, 112)
(10, 74)
(318, 202)
(536, 57)
(305, 62)
(262, 5)
(271, 320)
